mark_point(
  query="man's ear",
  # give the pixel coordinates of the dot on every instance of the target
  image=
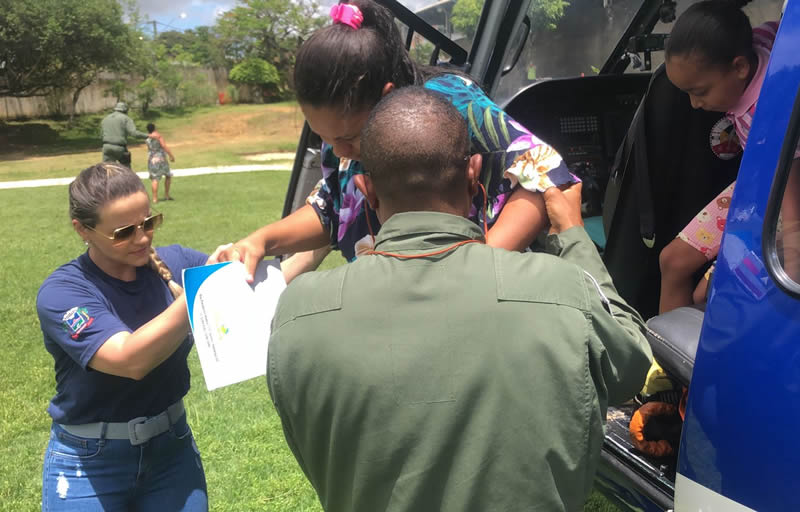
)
(474, 173)
(389, 87)
(365, 185)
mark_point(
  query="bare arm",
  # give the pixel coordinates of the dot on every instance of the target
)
(303, 262)
(523, 217)
(165, 147)
(300, 231)
(135, 354)
(521, 220)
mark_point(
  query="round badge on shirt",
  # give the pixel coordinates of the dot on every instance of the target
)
(724, 141)
(75, 321)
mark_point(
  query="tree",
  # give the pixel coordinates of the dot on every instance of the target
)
(544, 15)
(465, 17)
(146, 92)
(270, 30)
(421, 51)
(201, 46)
(51, 45)
(255, 71)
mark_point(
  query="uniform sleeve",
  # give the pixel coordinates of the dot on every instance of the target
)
(510, 151)
(620, 355)
(74, 316)
(130, 128)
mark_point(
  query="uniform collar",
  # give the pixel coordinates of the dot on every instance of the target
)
(425, 230)
(753, 89)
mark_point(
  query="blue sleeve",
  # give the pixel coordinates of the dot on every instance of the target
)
(178, 258)
(76, 317)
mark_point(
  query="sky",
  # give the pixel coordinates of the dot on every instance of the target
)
(198, 12)
(204, 12)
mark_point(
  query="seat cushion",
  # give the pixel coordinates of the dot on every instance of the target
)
(673, 337)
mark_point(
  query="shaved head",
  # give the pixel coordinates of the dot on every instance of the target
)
(415, 147)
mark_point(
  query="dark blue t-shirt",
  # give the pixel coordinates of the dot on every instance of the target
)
(80, 307)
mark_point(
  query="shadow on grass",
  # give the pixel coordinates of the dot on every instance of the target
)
(57, 136)
(41, 139)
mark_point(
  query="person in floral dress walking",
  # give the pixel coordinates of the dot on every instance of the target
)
(157, 165)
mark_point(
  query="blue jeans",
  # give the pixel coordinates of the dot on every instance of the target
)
(163, 474)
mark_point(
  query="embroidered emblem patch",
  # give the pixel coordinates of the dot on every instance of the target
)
(723, 140)
(75, 321)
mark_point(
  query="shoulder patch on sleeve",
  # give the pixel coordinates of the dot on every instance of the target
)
(75, 321)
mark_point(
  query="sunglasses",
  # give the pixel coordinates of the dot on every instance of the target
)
(125, 233)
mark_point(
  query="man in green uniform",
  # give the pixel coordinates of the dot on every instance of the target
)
(117, 127)
(441, 374)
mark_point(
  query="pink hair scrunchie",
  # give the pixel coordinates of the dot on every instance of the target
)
(347, 14)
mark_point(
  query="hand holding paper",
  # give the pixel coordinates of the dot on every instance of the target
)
(230, 319)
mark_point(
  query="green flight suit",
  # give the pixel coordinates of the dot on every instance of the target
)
(116, 128)
(476, 380)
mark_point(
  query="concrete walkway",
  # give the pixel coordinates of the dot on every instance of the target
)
(196, 171)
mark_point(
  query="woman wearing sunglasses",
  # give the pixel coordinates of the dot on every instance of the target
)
(116, 324)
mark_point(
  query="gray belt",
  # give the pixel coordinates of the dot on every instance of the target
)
(138, 430)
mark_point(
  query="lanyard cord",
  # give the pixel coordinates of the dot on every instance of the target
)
(427, 254)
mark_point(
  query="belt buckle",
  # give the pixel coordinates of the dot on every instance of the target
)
(134, 439)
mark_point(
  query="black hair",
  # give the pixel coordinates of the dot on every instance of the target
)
(346, 68)
(96, 186)
(415, 147)
(716, 31)
(151, 127)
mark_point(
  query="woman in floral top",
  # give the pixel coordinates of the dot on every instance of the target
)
(341, 73)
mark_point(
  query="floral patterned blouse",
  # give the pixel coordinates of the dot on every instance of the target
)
(512, 156)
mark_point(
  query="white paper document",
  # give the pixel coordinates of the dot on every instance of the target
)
(230, 319)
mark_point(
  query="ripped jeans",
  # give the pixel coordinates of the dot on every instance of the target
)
(165, 473)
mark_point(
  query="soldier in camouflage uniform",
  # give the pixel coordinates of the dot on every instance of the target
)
(117, 127)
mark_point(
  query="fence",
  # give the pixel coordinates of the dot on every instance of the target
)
(95, 98)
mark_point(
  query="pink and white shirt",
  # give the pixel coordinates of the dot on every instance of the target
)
(741, 115)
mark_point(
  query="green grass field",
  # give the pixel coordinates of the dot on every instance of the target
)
(207, 136)
(248, 465)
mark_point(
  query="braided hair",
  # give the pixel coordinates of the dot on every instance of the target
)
(158, 265)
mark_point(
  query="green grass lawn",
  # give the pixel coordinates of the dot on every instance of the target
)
(208, 136)
(247, 462)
